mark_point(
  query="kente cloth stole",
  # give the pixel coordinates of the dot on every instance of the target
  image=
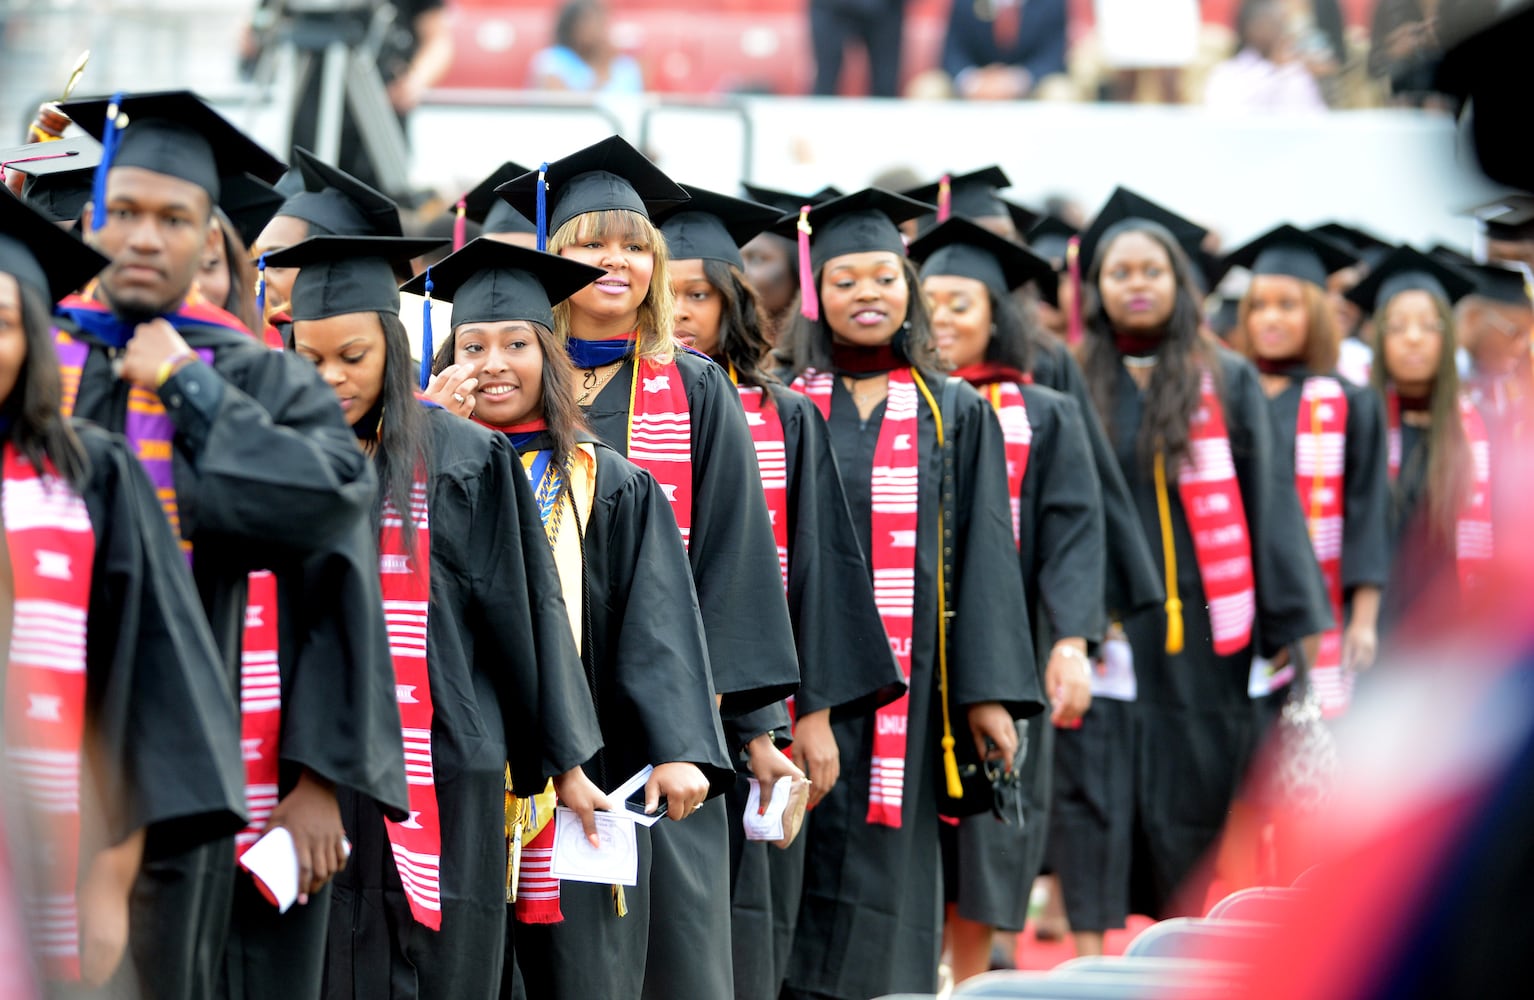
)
(895, 487)
(52, 552)
(1320, 459)
(660, 435)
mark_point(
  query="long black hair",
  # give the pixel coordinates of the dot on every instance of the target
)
(35, 405)
(743, 323)
(807, 343)
(241, 301)
(401, 426)
(1174, 391)
(1013, 335)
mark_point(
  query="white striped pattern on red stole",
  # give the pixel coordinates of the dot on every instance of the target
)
(772, 459)
(260, 706)
(1211, 498)
(1017, 437)
(660, 435)
(52, 552)
(1320, 461)
(405, 579)
(895, 489)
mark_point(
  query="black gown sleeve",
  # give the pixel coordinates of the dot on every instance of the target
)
(1291, 593)
(164, 724)
(1366, 485)
(276, 463)
(844, 658)
(991, 655)
(734, 558)
(524, 638)
(1061, 489)
(660, 666)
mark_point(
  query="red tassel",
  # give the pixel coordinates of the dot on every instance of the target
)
(1073, 271)
(459, 225)
(809, 300)
(944, 199)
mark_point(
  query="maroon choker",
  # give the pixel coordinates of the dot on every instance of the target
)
(989, 373)
(1416, 404)
(1137, 347)
(853, 360)
(1279, 366)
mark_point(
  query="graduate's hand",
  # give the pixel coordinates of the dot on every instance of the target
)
(816, 753)
(313, 817)
(683, 786)
(991, 720)
(768, 764)
(453, 389)
(153, 343)
(103, 902)
(1360, 643)
(1068, 682)
(581, 796)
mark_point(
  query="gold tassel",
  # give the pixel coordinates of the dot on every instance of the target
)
(620, 902)
(1169, 553)
(951, 768)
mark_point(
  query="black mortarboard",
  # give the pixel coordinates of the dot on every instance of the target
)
(1289, 251)
(171, 132)
(1051, 237)
(1023, 217)
(1366, 246)
(1406, 269)
(964, 248)
(347, 274)
(58, 174)
(864, 221)
(482, 205)
(1501, 283)
(972, 195)
(1508, 218)
(1451, 255)
(609, 175)
(40, 255)
(493, 282)
(1124, 206)
(290, 183)
(250, 204)
(787, 201)
(334, 203)
(713, 226)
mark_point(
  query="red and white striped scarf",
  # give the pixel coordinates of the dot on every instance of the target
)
(1320, 459)
(772, 460)
(1211, 498)
(660, 434)
(895, 502)
(52, 551)
(405, 578)
(1473, 533)
(260, 706)
(1017, 436)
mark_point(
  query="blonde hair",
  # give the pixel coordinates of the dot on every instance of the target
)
(1323, 340)
(657, 313)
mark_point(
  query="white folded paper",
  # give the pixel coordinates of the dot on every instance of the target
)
(273, 862)
(1114, 675)
(616, 862)
(769, 825)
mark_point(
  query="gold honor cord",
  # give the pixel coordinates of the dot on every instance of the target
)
(1169, 554)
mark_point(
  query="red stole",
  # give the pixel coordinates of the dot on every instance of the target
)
(1017, 436)
(1211, 500)
(52, 551)
(405, 578)
(771, 458)
(1320, 459)
(660, 434)
(1473, 532)
(895, 504)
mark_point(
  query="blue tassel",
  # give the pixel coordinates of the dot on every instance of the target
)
(426, 333)
(261, 288)
(108, 153)
(543, 211)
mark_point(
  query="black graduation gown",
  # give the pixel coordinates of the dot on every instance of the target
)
(1062, 555)
(159, 723)
(649, 662)
(1197, 726)
(871, 916)
(506, 685)
(273, 480)
(844, 665)
(1131, 579)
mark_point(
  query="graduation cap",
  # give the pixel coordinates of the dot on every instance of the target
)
(1288, 251)
(713, 226)
(960, 247)
(1023, 217)
(1508, 218)
(334, 203)
(347, 274)
(480, 204)
(250, 203)
(1366, 246)
(493, 282)
(1125, 206)
(171, 132)
(58, 174)
(40, 255)
(787, 201)
(1451, 255)
(1407, 269)
(972, 195)
(1051, 237)
(609, 175)
(860, 222)
(1509, 284)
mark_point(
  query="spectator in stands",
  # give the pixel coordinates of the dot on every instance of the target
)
(1267, 73)
(583, 57)
(1404, 48)
(878, 24)
(1004, 49)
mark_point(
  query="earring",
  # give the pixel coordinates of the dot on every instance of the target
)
(906, 326)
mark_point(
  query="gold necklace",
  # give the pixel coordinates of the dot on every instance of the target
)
(594, 380)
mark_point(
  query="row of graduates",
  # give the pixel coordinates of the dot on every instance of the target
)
(601, 561)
